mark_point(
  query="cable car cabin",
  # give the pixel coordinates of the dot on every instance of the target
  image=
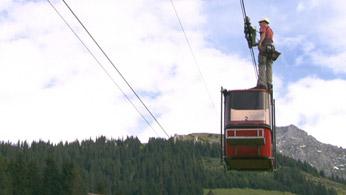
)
(249, 129)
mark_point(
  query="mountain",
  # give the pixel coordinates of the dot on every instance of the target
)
(297, 144)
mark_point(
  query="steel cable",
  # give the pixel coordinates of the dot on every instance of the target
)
(193, 55)
(100, 64)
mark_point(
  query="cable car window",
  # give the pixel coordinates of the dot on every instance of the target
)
(249, 100)
(249, 106)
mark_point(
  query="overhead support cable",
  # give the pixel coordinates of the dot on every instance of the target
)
(193, 55)
(247, 22)
(100, 64)
(243, 8)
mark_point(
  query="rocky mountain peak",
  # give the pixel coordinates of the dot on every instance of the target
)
(297, 144)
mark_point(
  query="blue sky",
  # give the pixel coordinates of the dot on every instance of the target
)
(52, 89)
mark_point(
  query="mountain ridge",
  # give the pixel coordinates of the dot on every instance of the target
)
(298, 144)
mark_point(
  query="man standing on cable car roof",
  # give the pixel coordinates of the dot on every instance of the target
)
(266, 55)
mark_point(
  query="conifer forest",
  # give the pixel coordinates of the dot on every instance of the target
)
(126, 166)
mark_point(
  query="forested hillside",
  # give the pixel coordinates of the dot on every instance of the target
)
(127, 166)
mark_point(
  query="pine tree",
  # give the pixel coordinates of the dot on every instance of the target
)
(5, 179)
(52, 180)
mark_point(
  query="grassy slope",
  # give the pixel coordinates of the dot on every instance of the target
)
(237, 191)
(340, 188)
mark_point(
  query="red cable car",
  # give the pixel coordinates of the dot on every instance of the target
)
(249, 141)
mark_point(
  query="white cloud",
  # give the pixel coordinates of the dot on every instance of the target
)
(316, 106)
(308, 5)
(334, 61)
(4, 4)
(300, 7)
(332, 32)
(52, 89)
(300, 45)
(291, 42)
